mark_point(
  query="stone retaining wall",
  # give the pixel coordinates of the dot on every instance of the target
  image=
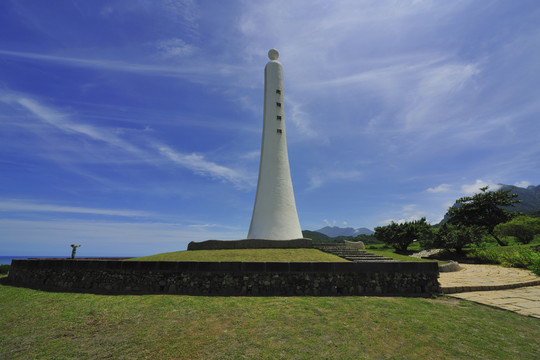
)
(228, 278)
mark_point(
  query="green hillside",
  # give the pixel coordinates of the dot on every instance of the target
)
(530, 199)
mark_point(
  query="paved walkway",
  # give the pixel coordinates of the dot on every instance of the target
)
(512, 289)
(524, 301)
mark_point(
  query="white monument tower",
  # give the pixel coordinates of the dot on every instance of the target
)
(274, 214)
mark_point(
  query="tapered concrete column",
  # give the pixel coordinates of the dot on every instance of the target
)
(274, 214)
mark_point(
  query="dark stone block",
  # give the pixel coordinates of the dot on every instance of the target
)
(323, 266)
(210, 266)
(301, 267)
(91, 265)
(228, 278)
(346, 267)
(254, 266)
(187, 266)
(168, 266)
(112, 265)
(231, 266)
(277, 267)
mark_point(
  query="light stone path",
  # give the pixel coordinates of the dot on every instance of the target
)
(512, 289)
(524, 301)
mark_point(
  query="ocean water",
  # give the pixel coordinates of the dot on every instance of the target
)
(6, 260)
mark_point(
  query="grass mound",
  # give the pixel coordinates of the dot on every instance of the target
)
(47, 325)
(279, 255)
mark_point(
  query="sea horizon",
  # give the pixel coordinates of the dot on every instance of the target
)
(6, 259)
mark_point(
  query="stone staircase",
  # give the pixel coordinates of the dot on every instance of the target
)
(351, 254)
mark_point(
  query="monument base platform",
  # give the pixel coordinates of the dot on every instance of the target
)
(250, 244)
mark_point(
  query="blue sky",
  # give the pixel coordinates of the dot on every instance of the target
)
(133, 127)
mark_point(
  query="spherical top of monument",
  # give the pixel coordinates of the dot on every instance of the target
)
(273, 54)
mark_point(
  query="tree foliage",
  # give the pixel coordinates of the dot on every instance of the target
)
(454, 237)
(367, 239)
(485, 209)
(400, 236)
(523, 228)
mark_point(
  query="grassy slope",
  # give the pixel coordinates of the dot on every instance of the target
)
(393, 255)
(36, 324)
(296, 255)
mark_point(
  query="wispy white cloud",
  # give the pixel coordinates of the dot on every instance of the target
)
(474, 188)
(202, 226)
(251, 155)
(207, 226)
(18, 206)
(522, 184)
(410, 212)
(186, 11)
(440, 188)
(64, 122)
(328, 223)
(175, 48)
(199, 165)
(318, 178)
(300, 119)
(196, 70)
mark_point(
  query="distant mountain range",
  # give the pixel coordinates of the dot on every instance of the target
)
(530, 198)
(530, 204)
(333, 231)
(319, 237)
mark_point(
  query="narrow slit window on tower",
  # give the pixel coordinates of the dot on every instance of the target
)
(278, 91)
(279, 117)
(279, 131)
(278, 104)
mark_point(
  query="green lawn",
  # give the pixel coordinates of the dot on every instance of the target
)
(284, 255)
(45, 325)
(391, 254)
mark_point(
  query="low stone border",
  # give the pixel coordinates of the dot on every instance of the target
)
(250, 244)
(228, 278)
(460, 289)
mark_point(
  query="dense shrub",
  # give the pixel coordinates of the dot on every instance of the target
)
(523, 228)
(486, 210)
(515, 256)
(4, 269)
(400, 236)
(367, 239)
(453, 237)
(535, 267)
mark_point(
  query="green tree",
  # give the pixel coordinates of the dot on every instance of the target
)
(454, 237)
(485, 209)
(400, 236)
(367, 239)
(523, 228)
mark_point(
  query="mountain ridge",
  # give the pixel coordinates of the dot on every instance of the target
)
(529, 196)
(333, 231)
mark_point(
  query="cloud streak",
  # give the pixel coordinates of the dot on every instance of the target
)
(475, 188)
(189, 70)
(440, 189)
(194, 162)
(18, 206)
(199, 165)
